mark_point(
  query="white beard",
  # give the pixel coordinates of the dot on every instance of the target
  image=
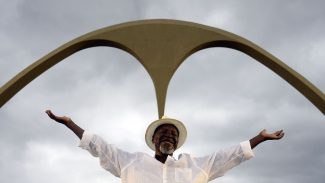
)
(166, 148)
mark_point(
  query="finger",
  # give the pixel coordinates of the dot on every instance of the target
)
(51, 115)
(48, 112)
(280, 136)
(278, 132)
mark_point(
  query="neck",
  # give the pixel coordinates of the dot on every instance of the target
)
(162, 157)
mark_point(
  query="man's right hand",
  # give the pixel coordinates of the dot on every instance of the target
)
(67, 122)
(60, 119)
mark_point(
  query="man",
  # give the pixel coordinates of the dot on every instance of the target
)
(164, 136)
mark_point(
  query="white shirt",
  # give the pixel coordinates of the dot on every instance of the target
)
(142, 168)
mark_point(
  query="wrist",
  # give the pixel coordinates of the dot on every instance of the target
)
(261, 137)
(68, 122)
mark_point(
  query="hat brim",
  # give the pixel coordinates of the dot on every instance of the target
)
(152, 127)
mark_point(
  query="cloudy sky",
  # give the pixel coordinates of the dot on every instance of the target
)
(223, 96)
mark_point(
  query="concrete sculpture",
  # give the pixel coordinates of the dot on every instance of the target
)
(161, 46)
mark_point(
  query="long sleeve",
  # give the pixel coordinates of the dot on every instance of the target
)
(111, 158)
(218, 163)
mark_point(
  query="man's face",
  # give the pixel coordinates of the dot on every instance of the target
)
(165, 138)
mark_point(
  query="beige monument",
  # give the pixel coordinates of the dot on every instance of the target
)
(161, 46)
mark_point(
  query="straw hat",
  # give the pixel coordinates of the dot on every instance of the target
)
(164, 120)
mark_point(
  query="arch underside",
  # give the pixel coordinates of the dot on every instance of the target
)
(161, 46)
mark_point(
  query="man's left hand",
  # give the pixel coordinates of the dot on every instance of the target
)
(272, 136)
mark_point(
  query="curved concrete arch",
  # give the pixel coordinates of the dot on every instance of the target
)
(161, 46)
(284, 71)
(8, 90)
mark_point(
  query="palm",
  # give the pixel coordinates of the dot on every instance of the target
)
(272, 136)
(60, 119)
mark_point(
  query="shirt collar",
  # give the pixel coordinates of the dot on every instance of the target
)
(170, 158)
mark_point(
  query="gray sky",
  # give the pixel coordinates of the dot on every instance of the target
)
(223, 96)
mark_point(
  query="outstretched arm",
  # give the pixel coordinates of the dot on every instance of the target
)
(263, 136)
(67, 122)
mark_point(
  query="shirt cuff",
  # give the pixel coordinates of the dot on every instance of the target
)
(85, 140)
(247, 150)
